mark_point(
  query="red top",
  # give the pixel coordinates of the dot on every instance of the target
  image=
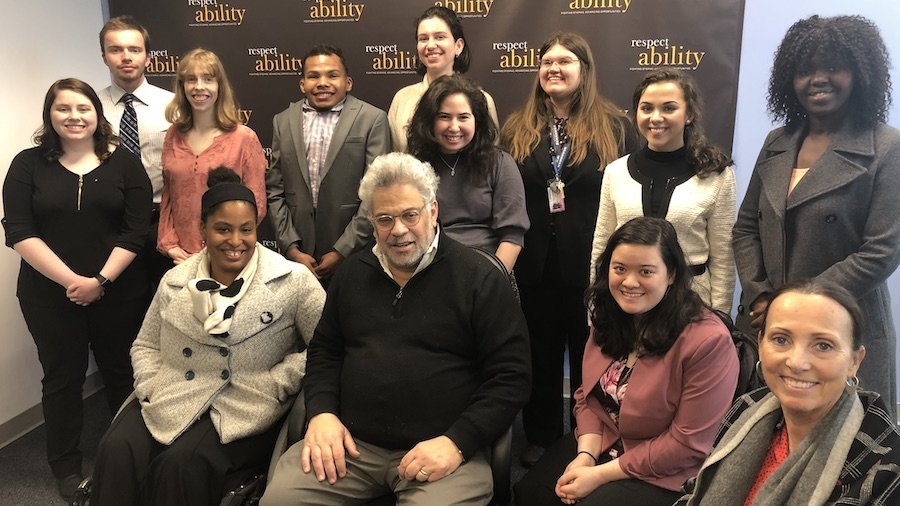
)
(184, 182)
(778, 452)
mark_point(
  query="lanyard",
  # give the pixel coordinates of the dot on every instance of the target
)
(558, 154)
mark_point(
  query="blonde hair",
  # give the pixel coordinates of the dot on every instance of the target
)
(179, 112)
(594, 122)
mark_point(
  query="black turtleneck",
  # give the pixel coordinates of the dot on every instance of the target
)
(659, 173)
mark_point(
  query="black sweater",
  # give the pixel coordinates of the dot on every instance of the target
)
(448, 354)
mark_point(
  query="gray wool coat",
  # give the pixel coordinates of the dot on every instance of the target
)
(841, 223)
(246, 380)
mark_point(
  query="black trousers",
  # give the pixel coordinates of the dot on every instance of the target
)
(62, 332)
(537, 487)
(157, 263)
(557, 320)
(132, 468)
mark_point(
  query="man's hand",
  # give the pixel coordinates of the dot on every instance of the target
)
(294, 254)
(329, 264)
(430, 460)
(324, 448)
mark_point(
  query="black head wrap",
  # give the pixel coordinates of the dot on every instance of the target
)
(223, 192)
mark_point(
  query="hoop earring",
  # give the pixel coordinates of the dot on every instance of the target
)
(853, 382)
(760, 373)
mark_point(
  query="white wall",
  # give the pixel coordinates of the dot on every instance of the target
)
(765, 23)
(42, 42)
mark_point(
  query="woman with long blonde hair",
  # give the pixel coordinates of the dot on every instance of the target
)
(206, 133)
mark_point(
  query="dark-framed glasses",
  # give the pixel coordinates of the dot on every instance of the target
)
(409, 218)
(562, 63)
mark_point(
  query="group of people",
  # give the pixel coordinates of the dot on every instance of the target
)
(619, 238)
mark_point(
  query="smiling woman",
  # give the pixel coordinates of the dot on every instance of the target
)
(481, 196)
(659, 374)
(832, 171)
(206, 132)
(678, 175)
(77, 210)
(442, 50)
(811, 437)
(216, 364)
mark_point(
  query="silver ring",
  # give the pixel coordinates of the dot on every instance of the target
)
(422, 472)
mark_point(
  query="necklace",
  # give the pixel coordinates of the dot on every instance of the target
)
(451, 167)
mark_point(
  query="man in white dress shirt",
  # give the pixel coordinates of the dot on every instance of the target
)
(125, 46)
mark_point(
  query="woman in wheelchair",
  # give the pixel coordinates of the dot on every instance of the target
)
(217, 363)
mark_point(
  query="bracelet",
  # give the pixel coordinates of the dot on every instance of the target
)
(589, 454)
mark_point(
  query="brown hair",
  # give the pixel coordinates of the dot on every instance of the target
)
(120, 23)
(179, 112)
(702, 155)
(48, 139)
(461, 62)
(594, 122)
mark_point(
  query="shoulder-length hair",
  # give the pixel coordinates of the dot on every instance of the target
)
(620, 333)
(852, 42)
(594, 122)
(202, 61)
(48, 139)
(702, 155)
(478, 155)
(461, 62)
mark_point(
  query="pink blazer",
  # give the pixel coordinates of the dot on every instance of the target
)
(673, 407)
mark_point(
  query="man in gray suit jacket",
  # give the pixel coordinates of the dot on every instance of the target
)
(329, 138)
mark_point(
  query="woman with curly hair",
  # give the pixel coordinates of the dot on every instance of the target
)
(206, 133)
(678, 175)
(822, 200)
(77, 210)
(481, 198)
(562, 139)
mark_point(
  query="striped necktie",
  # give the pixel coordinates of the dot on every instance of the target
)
(128, 128)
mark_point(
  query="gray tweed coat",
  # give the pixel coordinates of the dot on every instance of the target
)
(246, 380)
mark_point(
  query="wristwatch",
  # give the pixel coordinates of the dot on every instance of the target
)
(103, 280)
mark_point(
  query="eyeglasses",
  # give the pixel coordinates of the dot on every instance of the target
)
(410, 218)
(562, 62)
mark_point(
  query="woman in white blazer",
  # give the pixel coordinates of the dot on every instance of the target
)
(679, 176)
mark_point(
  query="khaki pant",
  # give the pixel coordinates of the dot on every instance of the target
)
(373, 475)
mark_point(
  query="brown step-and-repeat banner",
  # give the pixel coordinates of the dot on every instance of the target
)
(261, 43)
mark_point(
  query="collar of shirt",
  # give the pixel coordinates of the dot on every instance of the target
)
(116, 92)
(427, 258)
(338, 107)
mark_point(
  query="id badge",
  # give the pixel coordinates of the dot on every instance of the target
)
(556, 195)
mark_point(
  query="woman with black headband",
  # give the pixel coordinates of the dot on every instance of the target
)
(217, 363)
